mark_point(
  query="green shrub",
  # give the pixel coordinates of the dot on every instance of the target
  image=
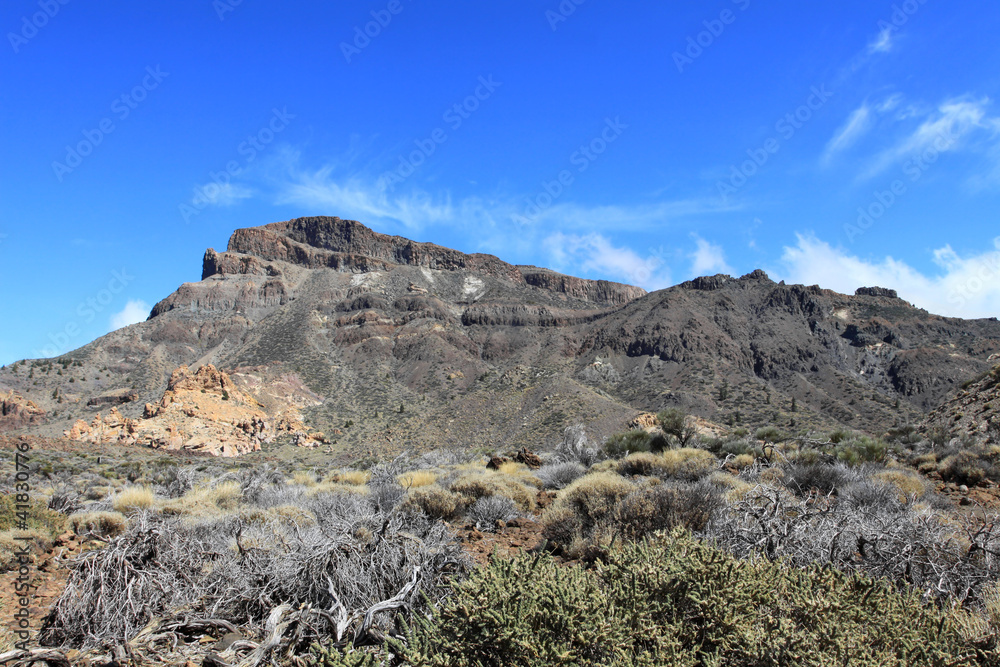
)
(38, 516)
(770, 434)
(628, 442)
(862, 450)
(672, 422)
(675, 601)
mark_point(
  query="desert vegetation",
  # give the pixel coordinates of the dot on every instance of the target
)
(659, 545)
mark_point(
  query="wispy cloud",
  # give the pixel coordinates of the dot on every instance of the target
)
(883, 41)
(858, 123)
(136, 310)
(596, 254)
(943, 129)
(964, 286)
(707, 258)
(216, 194)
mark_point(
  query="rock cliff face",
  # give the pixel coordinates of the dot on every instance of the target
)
(385, 344)
(17, 412)
(202, 411)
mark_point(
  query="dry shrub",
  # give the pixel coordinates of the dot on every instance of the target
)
(663, 507)
(486, 512)
(966, 467)
(96, 492)
(732, 486)
(476, 486)
(283, 514)
(562, 527)
(908, 484)
(646, 464)
(314, 577)
(38, 543)
(133, 498)
(743, 461)
(434, 501)
(560, 475)
(417, 478)
(688, 463)
(868, 531)
(592, 498)
(101, 524)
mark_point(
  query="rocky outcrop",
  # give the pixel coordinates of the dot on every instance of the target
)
(876, 291)
(113, 429)
(112, 399)
(521, 315)
(347, 245)
(202, 411)
(599, 291)
(215, 263)
(17, 412)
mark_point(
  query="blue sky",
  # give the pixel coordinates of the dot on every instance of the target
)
(844, 144)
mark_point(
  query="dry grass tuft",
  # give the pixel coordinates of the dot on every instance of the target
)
(483, 484)
(304, 478)
(353, 477)
(909, 484)
(417, 478)
(133, 498)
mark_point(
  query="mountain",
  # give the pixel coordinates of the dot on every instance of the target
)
(383, 343)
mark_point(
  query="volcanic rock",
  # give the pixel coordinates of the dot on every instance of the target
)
(17, 412)
(386, 344)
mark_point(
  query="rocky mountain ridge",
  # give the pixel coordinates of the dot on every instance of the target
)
(385, 343)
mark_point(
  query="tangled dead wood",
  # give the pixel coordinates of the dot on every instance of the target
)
(277, 584)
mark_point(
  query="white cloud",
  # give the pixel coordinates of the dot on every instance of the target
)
(858, 123)
(964, 287)
(942, 130)
(708, 259)
(595, 254)
(215, 194)
(889, 103)
(882, 42)
(136, 310)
